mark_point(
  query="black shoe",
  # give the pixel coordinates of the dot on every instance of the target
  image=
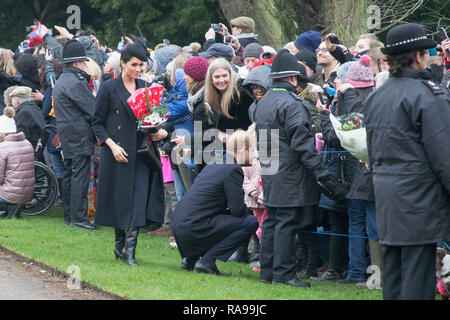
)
(240, 255)
(307, 274)
(262, 280)
(119, 243)
(188, 263)
(84, 225)
(295, 283)
(329, 274)
(200, 268)
(129, 249)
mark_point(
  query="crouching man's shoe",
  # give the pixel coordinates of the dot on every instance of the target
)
(188, 263)
(295, 283)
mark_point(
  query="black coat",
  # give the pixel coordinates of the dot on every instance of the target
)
(6, 82)
(210, 210)
(408, 136)
(129, 194)
(288, 178)
(73, 103)
(30, 121)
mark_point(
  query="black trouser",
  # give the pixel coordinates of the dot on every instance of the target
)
(338, 259)
(309, 244)
(409, 273)
(75, 189)
(225, 248)
(277, 251)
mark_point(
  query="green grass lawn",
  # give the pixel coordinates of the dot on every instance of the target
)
(48, 240)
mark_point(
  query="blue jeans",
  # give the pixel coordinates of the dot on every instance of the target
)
(371, 225)
(58, 163)
(357, 244)
(180, 188)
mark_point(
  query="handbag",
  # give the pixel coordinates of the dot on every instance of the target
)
(148, 155)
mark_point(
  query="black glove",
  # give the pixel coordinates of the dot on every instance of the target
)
(167, 83)
(330, 187)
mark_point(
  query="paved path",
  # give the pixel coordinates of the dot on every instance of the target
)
(21, 279)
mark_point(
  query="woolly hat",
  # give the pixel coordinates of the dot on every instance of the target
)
(406, 38)
(308, 58)
(343, 69)
(196, 68)
(284, 65)
(360, 74)
(253, 50)
(308, 40)
(7, 123)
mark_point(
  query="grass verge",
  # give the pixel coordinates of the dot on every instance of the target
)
(48, 240)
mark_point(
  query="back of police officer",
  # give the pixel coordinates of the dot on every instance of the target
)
(73, 105)
(290, 168)
(408, 130)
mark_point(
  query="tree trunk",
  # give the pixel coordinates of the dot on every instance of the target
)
(277, 21)
(281, 21)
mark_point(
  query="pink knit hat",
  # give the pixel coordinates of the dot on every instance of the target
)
(360, 74)
(196, 68)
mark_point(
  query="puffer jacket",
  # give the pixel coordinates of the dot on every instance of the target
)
(16, 169)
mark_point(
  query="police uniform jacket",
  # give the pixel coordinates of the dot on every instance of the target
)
(73, 103)
(289, 177)
(408, 135)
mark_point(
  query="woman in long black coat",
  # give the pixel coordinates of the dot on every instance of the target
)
(130, 194)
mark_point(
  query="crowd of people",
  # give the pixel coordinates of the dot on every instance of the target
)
(248, 166)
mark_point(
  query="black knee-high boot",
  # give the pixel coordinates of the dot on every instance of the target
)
(130, 246)
(119, 243)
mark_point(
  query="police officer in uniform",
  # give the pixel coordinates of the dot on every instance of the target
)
(73, 105)
(289, 177)
(408, 135)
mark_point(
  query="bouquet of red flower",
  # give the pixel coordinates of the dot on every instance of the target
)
(147, 107)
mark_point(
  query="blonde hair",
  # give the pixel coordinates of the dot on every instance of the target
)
(178, 62)
(7, 63)
(195, 46)
(220, 102)
(93, 69)
(6, 96)
(9, 112)
(239, 140)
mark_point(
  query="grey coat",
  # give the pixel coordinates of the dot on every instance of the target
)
(288, 178)
(408, 136)
(73, 103)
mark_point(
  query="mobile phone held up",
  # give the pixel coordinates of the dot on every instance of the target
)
(216, 27)
(444, 35)
(227, 39)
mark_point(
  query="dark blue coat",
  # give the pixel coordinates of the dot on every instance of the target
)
(210, 210)
(129, 194)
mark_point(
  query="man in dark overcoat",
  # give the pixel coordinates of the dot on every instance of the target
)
(73, 105)
(290, 169)
(211, 221)
(408, 136)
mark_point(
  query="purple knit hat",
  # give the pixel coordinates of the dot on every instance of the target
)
(360, 74)
(196, 68)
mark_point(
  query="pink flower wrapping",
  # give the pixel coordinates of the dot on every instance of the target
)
(138, 100)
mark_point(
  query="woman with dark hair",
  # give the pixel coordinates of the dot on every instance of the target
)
(27, 65)
(408, 136)
(130, 194)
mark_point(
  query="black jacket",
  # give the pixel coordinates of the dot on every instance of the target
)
(129, 194)
(210, 210)
(6, 82)
(30, 121)
(289, 160)
(408, 135)
(73, 103)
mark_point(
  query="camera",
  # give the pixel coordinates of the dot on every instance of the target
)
(216, 27)
(267, 55)
(334, 40)
(227, 39)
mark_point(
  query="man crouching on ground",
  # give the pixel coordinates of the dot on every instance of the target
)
(212, 220)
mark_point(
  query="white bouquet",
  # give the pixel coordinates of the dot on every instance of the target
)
(351, 132)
